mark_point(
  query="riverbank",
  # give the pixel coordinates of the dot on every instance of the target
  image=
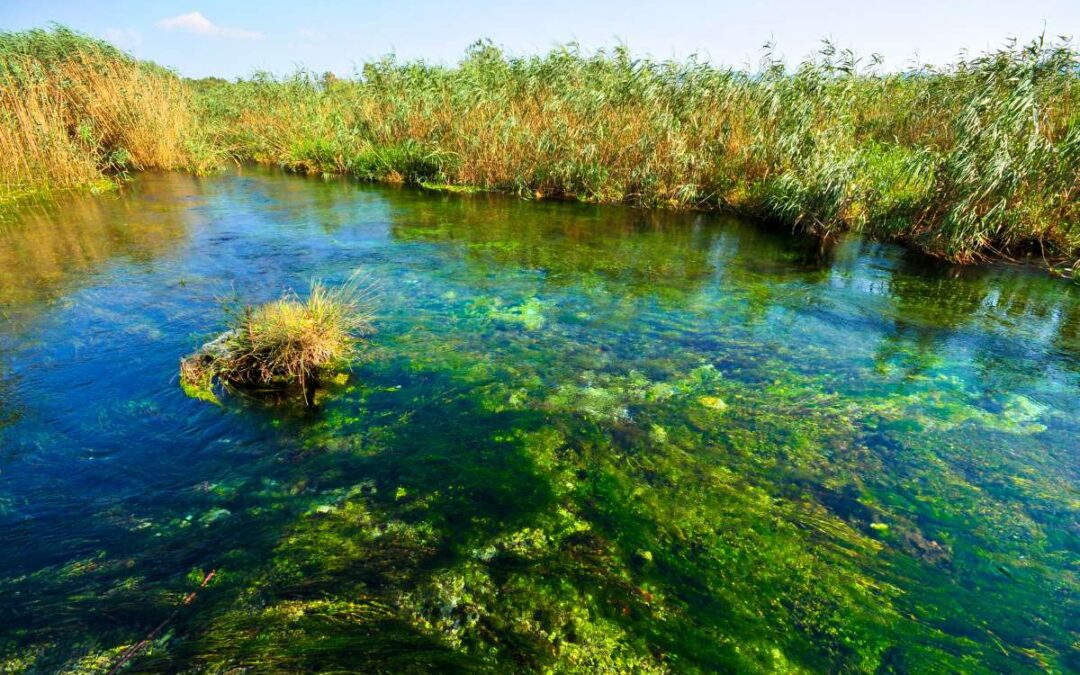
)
(78, 113)
(974, 161)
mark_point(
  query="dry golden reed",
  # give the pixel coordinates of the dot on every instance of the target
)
(74, 110)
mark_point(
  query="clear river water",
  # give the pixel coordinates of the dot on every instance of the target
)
(582, 439)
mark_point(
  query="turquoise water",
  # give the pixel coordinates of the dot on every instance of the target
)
(583, 439)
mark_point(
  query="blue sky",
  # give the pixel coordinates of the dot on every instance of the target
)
(229, 39)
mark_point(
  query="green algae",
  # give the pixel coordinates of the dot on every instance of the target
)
(595, 576)
(582, 445)
(453, 189)
(200, 387)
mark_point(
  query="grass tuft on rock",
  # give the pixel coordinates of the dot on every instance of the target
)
(288, 343)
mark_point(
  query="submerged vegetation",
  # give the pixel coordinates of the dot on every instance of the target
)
(590, 440)
(285, 343)
(977, 159)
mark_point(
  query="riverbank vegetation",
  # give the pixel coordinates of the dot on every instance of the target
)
(290, 342)
(974, 160)
(75, 111)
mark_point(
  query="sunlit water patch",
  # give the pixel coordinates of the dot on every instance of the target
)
(583, 439)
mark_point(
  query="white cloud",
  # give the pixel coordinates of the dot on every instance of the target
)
(309, 33)
(195, 22)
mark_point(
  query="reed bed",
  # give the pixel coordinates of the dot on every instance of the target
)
(75, 111)
(974, 160)
(978, 159)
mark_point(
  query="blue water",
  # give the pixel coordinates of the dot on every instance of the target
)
(583, 439)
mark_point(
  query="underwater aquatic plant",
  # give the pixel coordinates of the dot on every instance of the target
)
(287, 342)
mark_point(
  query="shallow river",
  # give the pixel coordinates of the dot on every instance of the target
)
(583, 439)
